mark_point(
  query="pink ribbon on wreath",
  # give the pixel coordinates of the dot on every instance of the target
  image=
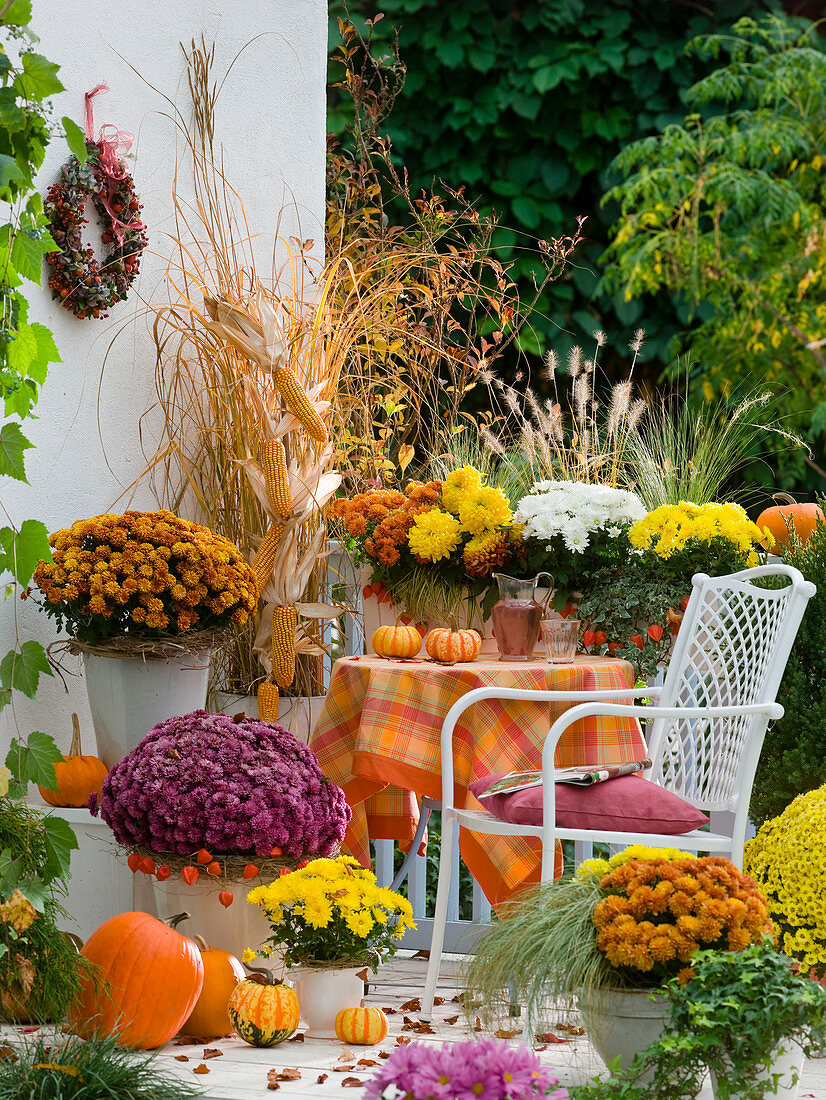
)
(113, 145)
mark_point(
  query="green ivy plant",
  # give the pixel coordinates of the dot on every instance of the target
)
(34, 850)
(736, 1008)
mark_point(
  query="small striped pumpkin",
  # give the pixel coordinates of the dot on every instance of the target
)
(263, 1014)
(362, 1027)
(397, 641)
(450, 646)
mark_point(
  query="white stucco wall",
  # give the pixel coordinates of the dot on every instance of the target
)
(270, 121)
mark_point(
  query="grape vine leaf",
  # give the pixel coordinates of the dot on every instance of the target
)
(75, 139)
(60, 841)
(20, 668)
(12, 445)
(33, 760)
(23, 549)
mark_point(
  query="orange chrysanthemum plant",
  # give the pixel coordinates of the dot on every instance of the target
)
(148, 576)
(657, 912)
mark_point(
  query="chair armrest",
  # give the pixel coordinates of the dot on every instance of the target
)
(773, 711)
(528, 695)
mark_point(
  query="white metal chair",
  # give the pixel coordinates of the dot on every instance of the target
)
(704, 737)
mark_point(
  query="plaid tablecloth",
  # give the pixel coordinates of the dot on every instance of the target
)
(378, 738)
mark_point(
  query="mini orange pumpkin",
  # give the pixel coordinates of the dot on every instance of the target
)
(448, 646)
(152, 978)
(363, 1027)
(76, 776)
(401, 640)
(803, 517)
(263, 1012)
(222, 973)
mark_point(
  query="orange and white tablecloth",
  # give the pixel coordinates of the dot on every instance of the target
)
(378, 738)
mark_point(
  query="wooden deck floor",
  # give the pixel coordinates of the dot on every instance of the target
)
(321, 1068)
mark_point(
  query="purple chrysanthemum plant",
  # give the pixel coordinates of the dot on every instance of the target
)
(232, 785)
(482, 1069)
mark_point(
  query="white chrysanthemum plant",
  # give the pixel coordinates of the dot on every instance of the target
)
(572, 529)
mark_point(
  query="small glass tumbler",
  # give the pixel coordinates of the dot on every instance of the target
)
(560, 637)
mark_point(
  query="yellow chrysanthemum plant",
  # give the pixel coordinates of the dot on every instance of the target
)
(688, 538)
(144, 578)
(331, 913)
(433, 546)
(788, 860)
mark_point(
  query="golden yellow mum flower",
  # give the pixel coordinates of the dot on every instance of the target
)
(457, 485)
(434, 535)
(484, 509)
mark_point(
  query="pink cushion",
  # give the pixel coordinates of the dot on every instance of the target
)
(628, 804)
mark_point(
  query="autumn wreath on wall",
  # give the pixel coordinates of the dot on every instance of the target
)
(78, 280)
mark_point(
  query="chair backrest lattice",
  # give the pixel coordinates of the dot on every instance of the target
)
(732, 649)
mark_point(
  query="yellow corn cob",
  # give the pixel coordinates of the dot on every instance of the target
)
(299, 404)
(267, 702)
(264, 558)
(274, 465)
(284, 621)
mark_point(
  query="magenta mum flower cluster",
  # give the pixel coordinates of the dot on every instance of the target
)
(483, 1069)
(227, 784)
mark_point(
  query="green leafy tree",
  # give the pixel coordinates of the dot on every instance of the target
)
(525, 105)
(726, 211)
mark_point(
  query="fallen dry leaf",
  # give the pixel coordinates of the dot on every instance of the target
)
(289, 1073)
(322, 1077)
(421, 1027)
(347, 1056)
(201, 1069)
(503, 1034)
(478, 1025)
(273, 1085)
(186, 1041)
(401, 1040)
(438, 1000)
(352, 1083)
(181, 1057)
(384, 1054)
(212, 1052)
(7, 1053)
(367, 1062)
(451, 1019)
(389, 1011)
(346, 1068)
(549, 1037)
(413, 1005)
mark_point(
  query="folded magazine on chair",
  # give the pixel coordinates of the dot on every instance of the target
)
(583, 776)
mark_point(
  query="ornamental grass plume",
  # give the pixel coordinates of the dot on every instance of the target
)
(144, 574)
(788, 860)
(626, 923)
(332, 912)
(481, 1069)
(231, 785)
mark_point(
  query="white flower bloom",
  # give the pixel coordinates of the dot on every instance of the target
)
(575, 511)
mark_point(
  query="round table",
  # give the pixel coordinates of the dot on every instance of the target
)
(378, 738)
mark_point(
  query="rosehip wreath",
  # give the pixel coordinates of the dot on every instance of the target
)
(80, 282)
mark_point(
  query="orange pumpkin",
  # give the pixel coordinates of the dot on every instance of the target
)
(263, 1012)
(76, 776)
(222, 973)
(803, 517)
(448, 646)
(401, 640)
(152, 978)
(362, 1026)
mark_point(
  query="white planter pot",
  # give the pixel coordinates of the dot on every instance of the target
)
(623, 1022)
(130, 695)
(787, 1065)
(232, 929)
(321, 996)
(296, 713)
